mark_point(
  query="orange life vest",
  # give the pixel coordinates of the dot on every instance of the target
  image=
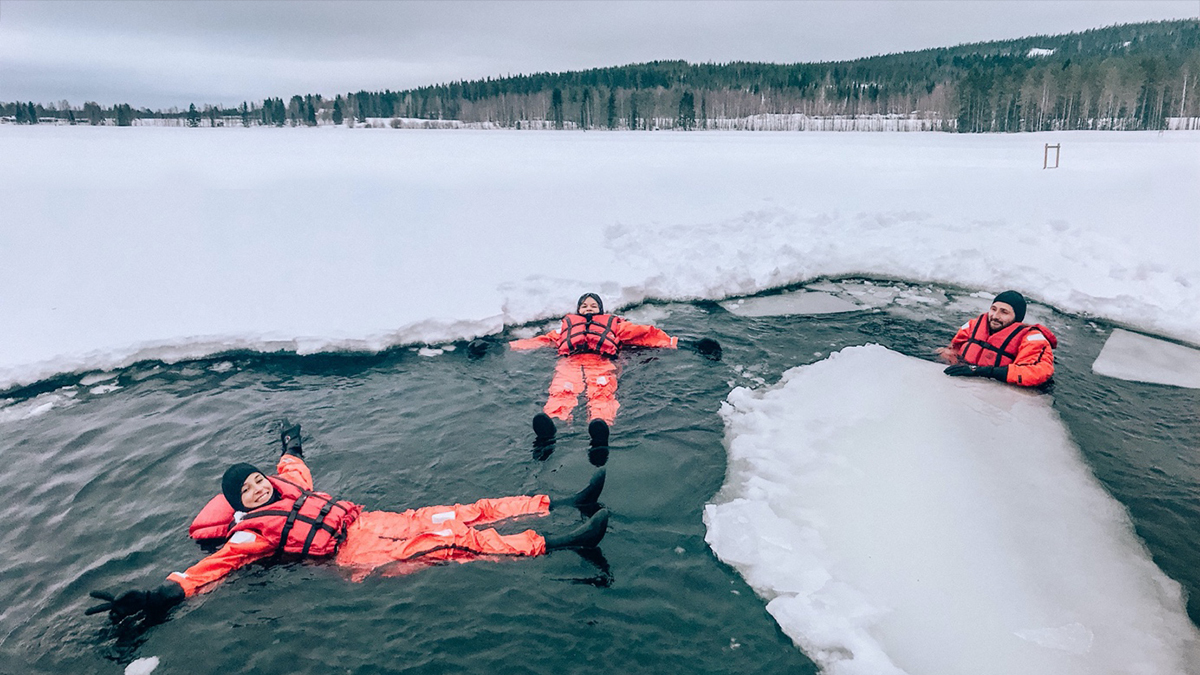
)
(302, 521)
(591, 334)
(999, 348)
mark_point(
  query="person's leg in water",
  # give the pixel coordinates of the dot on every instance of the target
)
(600, 377)
(565, 387)
(435, 533)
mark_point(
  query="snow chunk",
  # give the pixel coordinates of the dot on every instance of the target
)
(900, 521)
(143, 666)
(1039, 51)
(800, 302)
(1132, 356)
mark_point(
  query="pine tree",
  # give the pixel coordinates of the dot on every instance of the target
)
(310, 112)
(193, 116)
(687, 110)
(94, 114)
(556, 107)
(124, 115)
(612, 108)
(33, 116)
(585, 109)
(337, 110)
(245, 114)
(633, 111)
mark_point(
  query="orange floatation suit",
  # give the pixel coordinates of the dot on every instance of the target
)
(588, 345)
(362, 541)
(1026, 349)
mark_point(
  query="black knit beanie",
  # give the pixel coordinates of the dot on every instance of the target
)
(1016, 301)
(231, 483)
(595, 297)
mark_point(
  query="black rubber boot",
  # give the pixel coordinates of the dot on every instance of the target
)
(588, 495)
(289, 438)
(586, 535)
(544, 427)
(598, 430)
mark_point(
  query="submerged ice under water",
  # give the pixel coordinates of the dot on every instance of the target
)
(105, 470)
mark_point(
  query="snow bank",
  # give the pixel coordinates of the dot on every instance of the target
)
(1130, 356)
(931, 525)
(121, 244)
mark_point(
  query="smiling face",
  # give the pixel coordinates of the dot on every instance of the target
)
(1000, 315)
(256, 491)
(589, 306)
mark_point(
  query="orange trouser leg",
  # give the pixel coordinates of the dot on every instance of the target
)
(601, 378)
(381, 537)
(565, 388)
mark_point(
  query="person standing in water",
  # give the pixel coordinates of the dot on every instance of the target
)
(997, 345)
(588, 340)
(265, 517)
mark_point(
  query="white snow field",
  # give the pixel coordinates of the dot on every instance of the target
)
(1131, 356)
(936, 526)
(118, 244)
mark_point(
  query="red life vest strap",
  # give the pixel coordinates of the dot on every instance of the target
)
(1001, 351)
(580, 327)
(293, 514)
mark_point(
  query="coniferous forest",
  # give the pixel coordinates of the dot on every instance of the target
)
(1134, 76)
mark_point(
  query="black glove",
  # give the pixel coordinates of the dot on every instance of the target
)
(155, 603)
(706, 347)
(997, 373)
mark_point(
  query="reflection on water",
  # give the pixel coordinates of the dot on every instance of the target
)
(103, 475)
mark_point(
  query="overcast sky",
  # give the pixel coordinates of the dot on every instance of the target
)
(163, 53)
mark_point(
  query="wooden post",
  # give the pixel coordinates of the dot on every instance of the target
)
(1046, 156)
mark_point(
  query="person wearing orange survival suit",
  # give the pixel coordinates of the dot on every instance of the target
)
(282, 514)
(997, 345)
(588, 341)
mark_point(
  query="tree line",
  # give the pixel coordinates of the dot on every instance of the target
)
(1132, 76)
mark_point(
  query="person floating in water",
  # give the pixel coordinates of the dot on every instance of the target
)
(589, 340)
(997, 345)
(263, 516)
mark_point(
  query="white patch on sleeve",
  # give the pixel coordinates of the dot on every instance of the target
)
(178, 574)
(444, 533)
(602, 380)
(442, 517)
(238, 515)
(1035, 337)
(241, 538)
(965, 326)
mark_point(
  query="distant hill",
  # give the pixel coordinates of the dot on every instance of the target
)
(1132, 76)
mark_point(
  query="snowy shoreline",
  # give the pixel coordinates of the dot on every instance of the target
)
(123, 244)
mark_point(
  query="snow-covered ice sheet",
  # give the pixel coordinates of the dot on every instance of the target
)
(800, 302)
(936, 526)
(1131, 356)
(120, 244)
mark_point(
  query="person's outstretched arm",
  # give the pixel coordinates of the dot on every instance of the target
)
(547, 340)
(637, 335)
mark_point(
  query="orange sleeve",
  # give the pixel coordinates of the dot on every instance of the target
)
(637, 335)
(292, 468)
(242, 549)
(1034, 364)
(548, 340)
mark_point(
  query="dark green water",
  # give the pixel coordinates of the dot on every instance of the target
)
(100, 493)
